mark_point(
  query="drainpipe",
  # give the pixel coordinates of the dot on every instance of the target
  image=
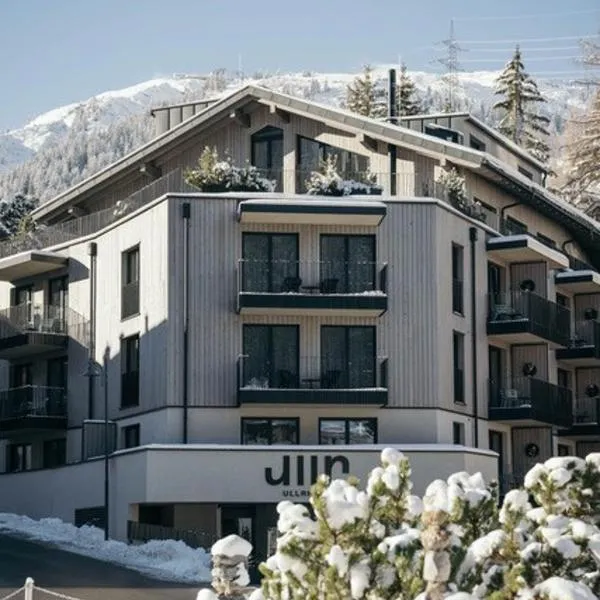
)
(473, 235)
(92, 252)
(185, 213)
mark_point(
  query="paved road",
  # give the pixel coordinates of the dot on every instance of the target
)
(78, 576)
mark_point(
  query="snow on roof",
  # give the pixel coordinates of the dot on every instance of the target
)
(337, 202)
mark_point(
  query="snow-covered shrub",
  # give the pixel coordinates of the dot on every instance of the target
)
(382, 543)
(328, 182)
(214, 174)
(455, 191)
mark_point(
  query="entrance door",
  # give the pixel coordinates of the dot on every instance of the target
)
(239, 519)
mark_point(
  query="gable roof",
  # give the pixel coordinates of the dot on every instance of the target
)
(344, 120)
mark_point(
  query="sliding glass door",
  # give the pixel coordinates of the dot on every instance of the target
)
(271, 356)
(348, 263)
(348, 357)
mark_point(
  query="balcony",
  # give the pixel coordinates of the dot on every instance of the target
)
(32, 408)
(523, 248)
(522, 317)
(584, 346)
(585, 417)
(26, 330)
(30, 264)
(312, 288)
(314, 381)
(580, 281)
(529, 401)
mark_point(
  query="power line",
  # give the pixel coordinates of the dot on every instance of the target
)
(532, 16)
(450, 61)
(535, 59)
(526, 50)
(533, 40)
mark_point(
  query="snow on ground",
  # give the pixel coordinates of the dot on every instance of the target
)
(167, 560)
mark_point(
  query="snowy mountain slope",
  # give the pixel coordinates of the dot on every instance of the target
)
(63, 146)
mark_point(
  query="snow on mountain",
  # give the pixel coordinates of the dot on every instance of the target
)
(80, 138)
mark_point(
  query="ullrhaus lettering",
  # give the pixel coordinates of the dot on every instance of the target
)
(293, 469)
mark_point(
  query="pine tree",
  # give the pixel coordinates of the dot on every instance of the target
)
(521, 121)
(407, 97)
(14, 215)
(364, 97)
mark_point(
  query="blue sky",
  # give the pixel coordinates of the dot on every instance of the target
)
(60, 51)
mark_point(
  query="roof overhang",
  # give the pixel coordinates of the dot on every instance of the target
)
(318, 211)
(578, 282)
(29, 264)
(523, 249)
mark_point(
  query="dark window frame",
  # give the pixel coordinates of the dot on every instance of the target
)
(373, 328)
(64, 297)
(128, 430)
(458, 366)
(20, 368)
(295, 420)
(130, 378)
(11, 454)
(458, 279)
(373, 420)
(515, 225)
(55, 453)
(129, 284)
(548, 241)
(563, 300)
(372, 238)
(270, 235)
(476, 143)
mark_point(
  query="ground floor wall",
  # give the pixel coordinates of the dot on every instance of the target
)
(214, 476)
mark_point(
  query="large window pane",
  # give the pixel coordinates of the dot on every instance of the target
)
(284, 265)
(284, 431)
(361, 354)
(334, 357)
(332, 432)
(256, 356)
(270, 262)
(255, 432)
(284, 352)
(255, 252)
(361, 431)
(349, 260)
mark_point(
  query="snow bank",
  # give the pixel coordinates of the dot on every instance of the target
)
(167, 560)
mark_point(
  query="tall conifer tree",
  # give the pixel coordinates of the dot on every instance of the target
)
(364, 97)
(521, 99)
(409, 102)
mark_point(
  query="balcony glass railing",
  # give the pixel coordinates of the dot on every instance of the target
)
(255, 373)
(536, 399)
(587, 410)
(316, 277)
(33, 401)
(538, 315)
(56, 320)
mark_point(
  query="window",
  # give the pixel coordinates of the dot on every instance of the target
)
(130, 283)
(130, 374)
(546, 240)
(347, 431)
(58, 293)
(513, 227)
(347, 264)
(525, 172)
(270, 262)
(563, 301)
(20, 375)
(458, 353)
(267, 154)
(457, 279)
(18, 458)
(130, 436)
(495, 278)
(563, 379)
(271, 356)
(458, 433)
(348, 357)
(311, 153)
(270, 431)
(450, 135)
(563, 450)
(476, 143)
(21, 299)
(55, 453)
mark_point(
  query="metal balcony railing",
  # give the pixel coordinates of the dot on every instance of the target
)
(257, 373)
(53, 320)
(46, 236)
(130, 299)
(33, 401)
(311, 277)
(587, 410)
(585, 333)
(531, 398)
(533, 313)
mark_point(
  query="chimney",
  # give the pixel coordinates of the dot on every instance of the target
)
(392, 116)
